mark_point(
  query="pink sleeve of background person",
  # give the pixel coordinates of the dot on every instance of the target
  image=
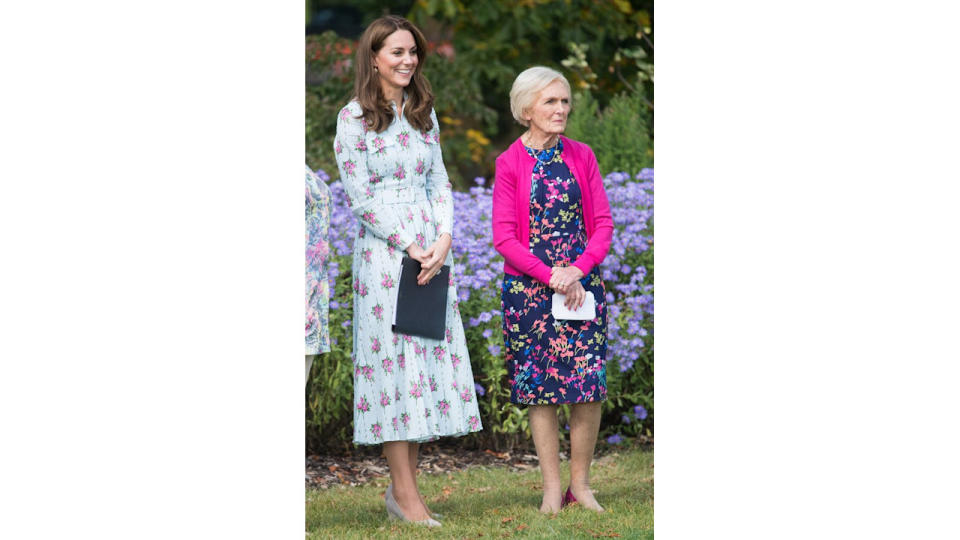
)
(599, 244)
(505, 225)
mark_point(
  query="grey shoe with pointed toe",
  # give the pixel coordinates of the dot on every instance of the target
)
(394, 512)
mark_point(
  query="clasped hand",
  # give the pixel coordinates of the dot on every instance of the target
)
(566, 280)
(431, 259)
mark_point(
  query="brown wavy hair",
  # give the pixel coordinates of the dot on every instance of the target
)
(377, 112)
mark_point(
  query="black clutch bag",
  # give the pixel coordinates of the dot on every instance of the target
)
(421, 309)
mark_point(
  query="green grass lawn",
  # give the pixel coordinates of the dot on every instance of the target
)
(494, 502)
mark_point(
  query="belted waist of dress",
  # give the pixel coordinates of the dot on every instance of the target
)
(402, 196)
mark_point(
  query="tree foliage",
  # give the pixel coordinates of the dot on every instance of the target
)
(477, 48)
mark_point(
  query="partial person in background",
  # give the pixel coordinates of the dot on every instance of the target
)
(552, 224)
(407, 389)
(317, 215)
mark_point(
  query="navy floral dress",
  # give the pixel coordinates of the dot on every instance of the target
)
(550, 361)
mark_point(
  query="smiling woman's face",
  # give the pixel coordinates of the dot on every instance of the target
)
(548, 114)
(396, 60)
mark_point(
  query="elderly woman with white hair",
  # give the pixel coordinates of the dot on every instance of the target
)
(552, 224)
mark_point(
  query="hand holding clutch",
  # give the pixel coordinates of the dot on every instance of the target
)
(435, 255)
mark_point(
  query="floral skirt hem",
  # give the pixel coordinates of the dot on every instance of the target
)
(515, 401)
(429, 438)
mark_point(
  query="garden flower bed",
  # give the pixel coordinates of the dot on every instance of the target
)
(628, 277)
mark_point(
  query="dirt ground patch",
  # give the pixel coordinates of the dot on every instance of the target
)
(325, 471)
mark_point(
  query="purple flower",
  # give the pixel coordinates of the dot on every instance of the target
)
(639, 412)
(478, 269)
(626, 419)
(480, 390)
(615, 439)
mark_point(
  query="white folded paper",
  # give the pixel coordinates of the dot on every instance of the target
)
(587, 312)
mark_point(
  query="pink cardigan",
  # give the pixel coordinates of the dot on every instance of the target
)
(511, 209)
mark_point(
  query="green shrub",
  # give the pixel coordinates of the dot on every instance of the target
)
(618, 135)
(329, 84)
(329, 398)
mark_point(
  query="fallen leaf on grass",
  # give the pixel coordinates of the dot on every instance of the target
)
(604, 534)
(507, 520)
(521, 527)
(498, 455)
(444, 494)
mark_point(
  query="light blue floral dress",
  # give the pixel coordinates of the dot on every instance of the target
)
(317, 215)
(406, 388)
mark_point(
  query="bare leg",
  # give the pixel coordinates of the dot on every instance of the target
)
(403, 480)
(584, 425)
(414, 457)
(309, 362)
(545, 429)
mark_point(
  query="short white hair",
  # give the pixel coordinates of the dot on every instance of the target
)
(528, 84)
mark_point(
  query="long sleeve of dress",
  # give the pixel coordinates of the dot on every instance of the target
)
(358, 181)
(438, 187)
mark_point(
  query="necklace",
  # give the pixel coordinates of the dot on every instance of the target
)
(546, 155)
(541, 146)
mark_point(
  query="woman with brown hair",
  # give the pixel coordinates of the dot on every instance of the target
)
(407, 389)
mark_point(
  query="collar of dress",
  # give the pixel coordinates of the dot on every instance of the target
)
(402, 106)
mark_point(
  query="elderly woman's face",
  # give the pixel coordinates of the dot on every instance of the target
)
(549, 111)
